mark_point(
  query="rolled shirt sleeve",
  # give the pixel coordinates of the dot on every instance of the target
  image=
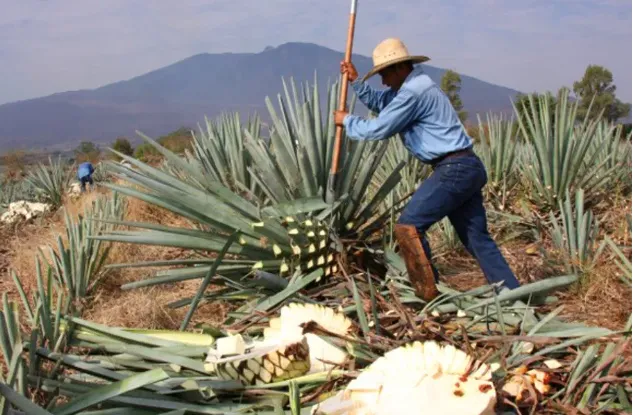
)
(393, 118)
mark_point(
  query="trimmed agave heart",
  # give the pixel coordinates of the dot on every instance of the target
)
(264, 362)
(417, 378)
(321, 352)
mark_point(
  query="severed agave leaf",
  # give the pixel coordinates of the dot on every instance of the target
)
(189, 338)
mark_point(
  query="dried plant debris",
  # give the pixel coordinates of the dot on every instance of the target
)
(372, 351)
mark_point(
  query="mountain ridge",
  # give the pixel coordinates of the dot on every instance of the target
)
(205, 84)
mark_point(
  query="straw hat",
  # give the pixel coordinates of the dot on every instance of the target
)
(389, 52)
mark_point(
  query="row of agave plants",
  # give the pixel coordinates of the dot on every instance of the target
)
(261, 230)
(45, 183)
(271, 188)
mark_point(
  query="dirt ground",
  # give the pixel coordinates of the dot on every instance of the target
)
(145, 307)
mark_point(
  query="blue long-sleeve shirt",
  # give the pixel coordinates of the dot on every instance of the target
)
(85, 170)
(419, 111)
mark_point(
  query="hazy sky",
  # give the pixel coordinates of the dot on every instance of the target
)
(49, 46)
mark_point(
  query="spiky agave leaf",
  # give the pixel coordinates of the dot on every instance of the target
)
(292, 229)
(218, 152)
(611, 154)
(576, 238)
(51, 181)
(274, 242)
(566, 157)
(14, 190)
(298, 160)
(78, 264)
(412, 174)
(498, 154)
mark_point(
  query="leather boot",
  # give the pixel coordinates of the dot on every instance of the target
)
(418, 266)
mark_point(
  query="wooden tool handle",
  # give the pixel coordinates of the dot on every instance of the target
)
(343, 97)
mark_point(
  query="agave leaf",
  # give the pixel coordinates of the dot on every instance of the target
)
(296, 207)
(624, 399)
(25, 303)
(289, 291)
(176, 275)
(585, 361)
(534, 289)
(172, 262)
(91, 368)
(360, 312)
(124, 411)
(565, 152)
(21, 402)
(104, 393)
(207, 280)
(50, 181)
(590, 389)
(119, 334)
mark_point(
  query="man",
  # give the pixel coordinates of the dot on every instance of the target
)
(84, 174)
(418, 109)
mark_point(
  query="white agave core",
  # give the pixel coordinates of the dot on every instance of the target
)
(417, 378)
(287, 326)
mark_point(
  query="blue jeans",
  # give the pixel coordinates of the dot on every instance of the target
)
(84, 180)
(454, 190)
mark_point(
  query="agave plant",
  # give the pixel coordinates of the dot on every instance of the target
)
(623, 261)
(297, 163)
(576, 238)
(79, 265)
(12, 344)
(612, 156)
(51, 181)
(447, 236)
(72, 270)
(101, 173)
(218, 151)
(566, 153)
(290, 229)
(497, 150)
(413, 173)
(12, 191)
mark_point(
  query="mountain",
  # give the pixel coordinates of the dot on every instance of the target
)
(183, 93)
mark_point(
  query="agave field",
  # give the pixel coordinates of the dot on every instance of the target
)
(322, 318)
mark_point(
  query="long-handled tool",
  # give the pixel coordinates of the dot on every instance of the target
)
(342, 104)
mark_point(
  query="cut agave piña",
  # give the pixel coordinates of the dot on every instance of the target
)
(323, 355)
(519, 384)
(417, 378)
(264, 362)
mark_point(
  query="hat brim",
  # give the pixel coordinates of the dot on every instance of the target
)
(378, 68)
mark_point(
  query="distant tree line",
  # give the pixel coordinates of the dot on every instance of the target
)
(595, 93)
(177, 141)
(14, 164)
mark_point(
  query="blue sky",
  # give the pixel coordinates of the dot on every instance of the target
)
(49, 46)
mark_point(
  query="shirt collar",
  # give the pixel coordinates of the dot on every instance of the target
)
(417, 71)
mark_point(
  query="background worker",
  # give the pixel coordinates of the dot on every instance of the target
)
(84, 174)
